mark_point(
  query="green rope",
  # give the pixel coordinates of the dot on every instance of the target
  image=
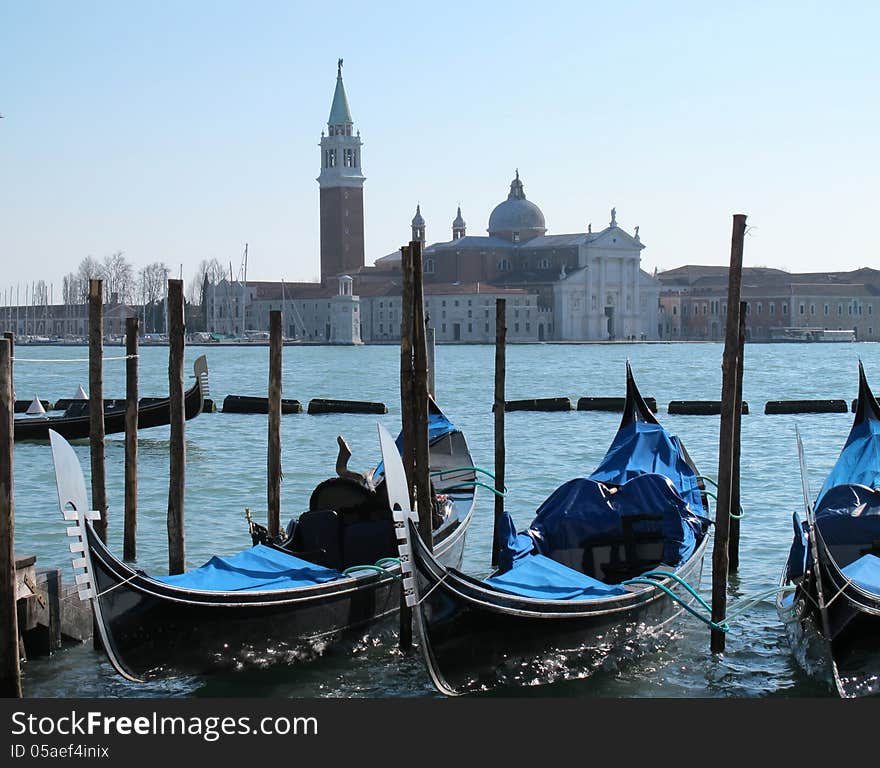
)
(385, 562)
(751, 601)
(472, 484)
(734, 515)
(462, 469)
(676, 578)
(352, 569)
(704, 477)
(722, 626)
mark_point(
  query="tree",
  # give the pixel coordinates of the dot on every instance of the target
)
(118, 277)
(151, 288)
(89, 269)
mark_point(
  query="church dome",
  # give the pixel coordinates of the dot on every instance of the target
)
(516, 219)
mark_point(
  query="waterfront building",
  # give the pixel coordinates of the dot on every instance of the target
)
(693, 303)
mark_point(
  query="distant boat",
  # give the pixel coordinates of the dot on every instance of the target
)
(75, 422)
(812, 334)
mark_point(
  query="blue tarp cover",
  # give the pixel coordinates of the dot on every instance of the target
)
(583, 510)
(859, 461)
(640, 448)
(260, 568)
(865, 572)
(797, 556)
(541, 578)
(849, 514)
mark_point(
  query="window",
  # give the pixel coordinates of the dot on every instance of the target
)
(443, 303)
(470, 328)
(812, 309)
(528, 327)
(470, 313)
(429, 266)
(826, 310)
(674, 310)
(443, 314)
(486, 313)
(840, 309)
(544, 264)
(443, 328)
(504, 265)
(381, 328)
(785, 309)
(516, 327)
(772, 308)
(470, 303)
(760, 307)
(456, 302)
(516, 237)
(870, 309)
(487, 327)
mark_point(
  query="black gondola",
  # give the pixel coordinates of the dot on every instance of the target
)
(561, 592)
(74, 422)
(268, 604)
(832, 612)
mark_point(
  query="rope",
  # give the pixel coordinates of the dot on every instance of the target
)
(472, 484)
(706, 477)
(721, 626)
(101, 594)
(734, 515)
(439, 582)
(437, 472)
(381, 566)
(69, 360)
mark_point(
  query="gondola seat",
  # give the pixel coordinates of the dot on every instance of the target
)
(542, 578)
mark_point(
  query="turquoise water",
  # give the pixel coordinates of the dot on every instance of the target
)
(226, 472)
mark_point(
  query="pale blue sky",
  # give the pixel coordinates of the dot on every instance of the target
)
(177, 131)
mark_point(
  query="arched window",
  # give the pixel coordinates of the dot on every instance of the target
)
(429, 266)
(504, 265)
(544, 264)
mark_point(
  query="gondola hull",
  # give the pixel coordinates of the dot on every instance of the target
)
(477, 639)
(152, 412)
(848, 663)
(155, 630)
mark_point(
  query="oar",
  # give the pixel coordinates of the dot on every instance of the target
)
(811, 524)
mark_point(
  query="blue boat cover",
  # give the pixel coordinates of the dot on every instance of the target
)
(541, 578)
(260, 568)
(849, 515)
(865, 572)
(797, 556)
(859, 461)
(583, 512)
(642, 447)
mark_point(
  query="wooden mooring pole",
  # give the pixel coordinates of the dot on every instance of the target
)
(431, 334)
(129, 535)
(498, 408)
(10, 337)
(273, 459)
(728, 439)
(97, 440)
(10, 670)
(735, 502)
(424, 497)
(177, 470)
(407, 375)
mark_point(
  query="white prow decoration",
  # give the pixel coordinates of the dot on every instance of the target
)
(74, 507)
(35, 408)
(398, 501)
(80, 393)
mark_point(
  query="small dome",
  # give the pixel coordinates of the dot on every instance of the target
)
(516, 216)
(459, 221)
(418, 221)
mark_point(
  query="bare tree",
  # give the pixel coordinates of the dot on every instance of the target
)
(88, 269)
(118, 276)
(209, 272)
(152, 281)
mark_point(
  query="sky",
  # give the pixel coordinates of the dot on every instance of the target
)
(179, 131)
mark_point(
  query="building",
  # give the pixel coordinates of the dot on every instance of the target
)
(589, 285)
(59, 321)
(693, 302)
(566, 287)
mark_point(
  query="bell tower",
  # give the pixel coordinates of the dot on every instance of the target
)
(341, 185)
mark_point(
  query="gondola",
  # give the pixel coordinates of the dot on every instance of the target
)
(831, 609)
(579, 583)
(333, 576)
(74, 422)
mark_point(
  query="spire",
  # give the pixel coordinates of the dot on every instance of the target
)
(340, 114)
(418, 225)
(516, 189)
(458, 226)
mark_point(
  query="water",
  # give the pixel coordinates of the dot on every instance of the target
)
(226, 472)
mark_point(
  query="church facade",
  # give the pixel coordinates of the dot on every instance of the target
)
(584, 286)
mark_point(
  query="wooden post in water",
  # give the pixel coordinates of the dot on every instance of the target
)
(407, 372)
(177, 473)
(129, 536)
(431, 334)
(10, 670)
(10, 336)
(498, 408)
(424, 497)
(273, 463)
(728, 439)
(733, 544)
(407, 375)
(96, 405)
